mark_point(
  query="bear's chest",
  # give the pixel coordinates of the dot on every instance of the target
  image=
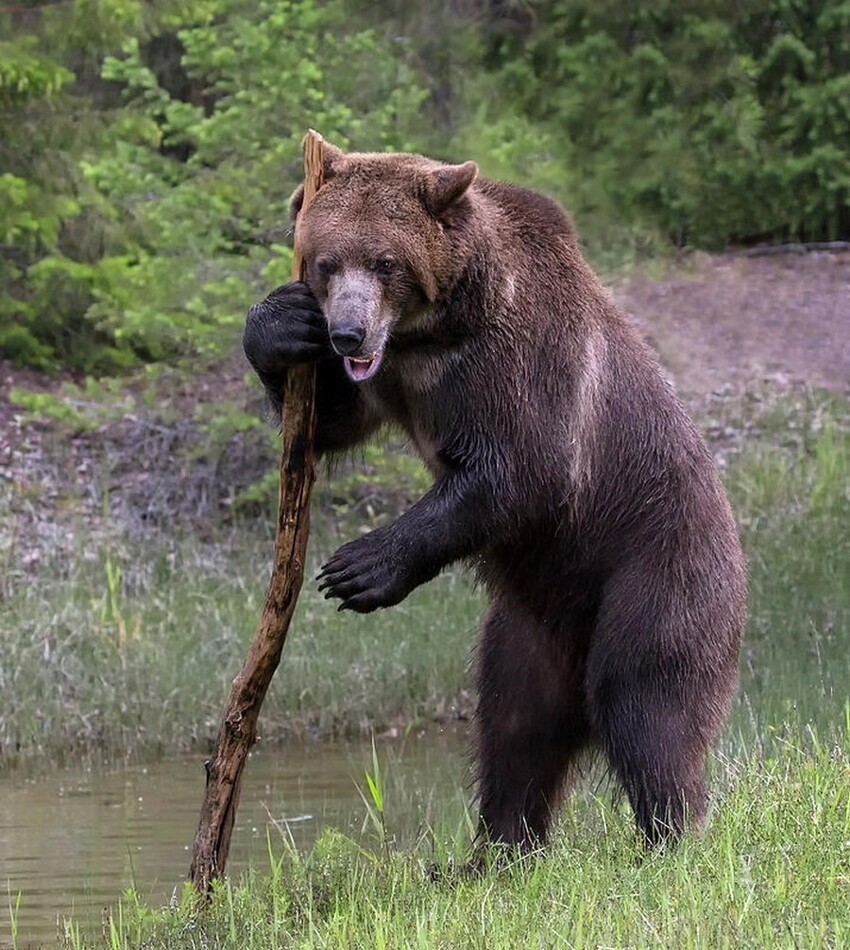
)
(419, 409)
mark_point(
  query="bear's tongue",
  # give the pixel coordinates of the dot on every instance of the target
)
(360, 370)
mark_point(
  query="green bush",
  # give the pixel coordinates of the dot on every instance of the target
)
(172, 216)
(144, 193)
(714, 122)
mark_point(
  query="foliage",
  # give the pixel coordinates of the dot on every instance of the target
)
(713, 121)
(180, 197)
(147, 149)
(54, 109)
(25, 75)
(36, 194)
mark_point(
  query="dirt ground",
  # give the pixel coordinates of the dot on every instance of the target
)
(731, 323)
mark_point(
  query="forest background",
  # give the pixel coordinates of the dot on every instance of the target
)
(148, 149)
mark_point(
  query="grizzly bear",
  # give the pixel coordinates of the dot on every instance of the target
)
(566, 472)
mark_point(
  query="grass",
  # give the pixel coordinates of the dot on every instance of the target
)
(791, 492)
(130, 652)
(773, 870)
(128, 648)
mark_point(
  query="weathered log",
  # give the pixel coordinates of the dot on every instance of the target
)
(238, 729)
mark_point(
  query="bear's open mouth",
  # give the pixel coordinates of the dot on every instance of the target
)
(360, 369)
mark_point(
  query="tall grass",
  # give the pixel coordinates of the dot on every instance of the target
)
(129, 648)
(793, 505)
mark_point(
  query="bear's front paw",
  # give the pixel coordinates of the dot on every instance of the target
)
(285, 329)
(366, 574)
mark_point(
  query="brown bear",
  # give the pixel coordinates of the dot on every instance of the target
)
(565, 470)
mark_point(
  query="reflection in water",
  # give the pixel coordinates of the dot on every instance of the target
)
(72, 841)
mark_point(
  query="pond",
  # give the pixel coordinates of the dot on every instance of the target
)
(72, 841)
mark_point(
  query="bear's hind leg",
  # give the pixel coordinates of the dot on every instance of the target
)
(659, 761)
(659, 683)
(531, 725)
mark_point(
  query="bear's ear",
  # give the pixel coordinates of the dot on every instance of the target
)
(444, 185)
(295, 202)
(333, 158)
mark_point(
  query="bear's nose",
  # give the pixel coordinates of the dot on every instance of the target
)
(347, 340)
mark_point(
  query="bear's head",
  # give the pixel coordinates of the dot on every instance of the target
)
(383, 239)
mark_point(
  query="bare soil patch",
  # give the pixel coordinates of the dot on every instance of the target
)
(735, 323)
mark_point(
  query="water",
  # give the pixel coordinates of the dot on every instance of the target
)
(72, 841)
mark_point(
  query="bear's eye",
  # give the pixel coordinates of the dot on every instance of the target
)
(384, 266)
(327, 266)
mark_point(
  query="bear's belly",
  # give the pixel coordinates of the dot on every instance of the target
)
(545, 573)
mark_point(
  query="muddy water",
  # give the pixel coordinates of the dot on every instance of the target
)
(72, 841)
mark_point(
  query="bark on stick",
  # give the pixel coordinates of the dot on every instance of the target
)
(238, 729)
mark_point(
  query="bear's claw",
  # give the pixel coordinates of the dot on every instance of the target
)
(363, 575)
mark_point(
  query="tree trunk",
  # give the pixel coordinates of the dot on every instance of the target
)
(238, 729)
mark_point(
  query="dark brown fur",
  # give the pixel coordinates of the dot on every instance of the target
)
(566, 471)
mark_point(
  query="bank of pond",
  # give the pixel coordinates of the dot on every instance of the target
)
(97, 857)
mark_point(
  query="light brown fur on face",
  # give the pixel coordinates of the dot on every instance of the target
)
(566, 472)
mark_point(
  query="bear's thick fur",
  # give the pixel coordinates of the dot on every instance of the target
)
(565, 468)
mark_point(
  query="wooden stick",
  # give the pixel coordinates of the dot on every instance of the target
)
(238, 729)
